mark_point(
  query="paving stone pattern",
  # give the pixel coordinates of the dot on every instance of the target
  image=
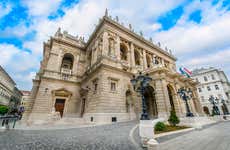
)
(106, 137)
(216, 137)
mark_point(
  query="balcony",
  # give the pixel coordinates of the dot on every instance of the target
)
(66, 71)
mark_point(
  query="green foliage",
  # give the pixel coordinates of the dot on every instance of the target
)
(3, 109)
(160, 126)
(173, 119)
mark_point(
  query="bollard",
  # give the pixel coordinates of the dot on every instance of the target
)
(153, 144)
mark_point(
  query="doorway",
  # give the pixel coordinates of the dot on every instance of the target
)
(59, 106)
(151, 104)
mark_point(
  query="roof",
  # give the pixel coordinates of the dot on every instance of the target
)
(128, 31)
(7, 75)
(107, 19)
(25, 92)
(203, 70)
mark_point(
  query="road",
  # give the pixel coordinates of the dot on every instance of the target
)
(112, 137)
(105, 137)
(216, 137)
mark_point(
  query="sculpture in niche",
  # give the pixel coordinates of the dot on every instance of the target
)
(111, 47)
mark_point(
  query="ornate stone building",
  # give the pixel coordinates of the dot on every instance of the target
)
(9, 94)
(91, 80)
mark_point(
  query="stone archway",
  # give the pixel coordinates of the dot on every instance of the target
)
(151, 104)
(171, 96)
(206, 110)
(129, 103)
(225, 109)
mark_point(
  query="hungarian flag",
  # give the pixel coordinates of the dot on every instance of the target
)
(185, 71)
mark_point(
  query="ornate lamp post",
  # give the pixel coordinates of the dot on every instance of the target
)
(139, 84)
(186, 94)
(214, 102)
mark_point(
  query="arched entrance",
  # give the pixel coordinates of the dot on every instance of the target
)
(170, 94)
(60, 99)
(206, 110)
(225, 109)
(151, 104)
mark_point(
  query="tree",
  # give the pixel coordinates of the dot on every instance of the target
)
(3, 110)
(173, 119)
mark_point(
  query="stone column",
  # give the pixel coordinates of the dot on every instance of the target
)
(92, 57)
(144, 60)
(75, 65)
(151, 63)
(162, 62)
(117, 49)
(105, 46)
(132, 55)
(162, 105)
(196, 102)
(129, 56)
(95, 54)
(176, 101)
(166, 95)
(180, 102)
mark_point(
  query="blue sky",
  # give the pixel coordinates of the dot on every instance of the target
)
(196, 31)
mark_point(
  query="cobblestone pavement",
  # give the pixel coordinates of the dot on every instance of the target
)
(106, 137)
(216, 137)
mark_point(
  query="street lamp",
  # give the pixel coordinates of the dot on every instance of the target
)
(186, 94)
(139, 85)
(214, 102)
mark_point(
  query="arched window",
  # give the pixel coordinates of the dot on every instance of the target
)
(123, 52)
(137, 57)
(148, 59)
(67, 61)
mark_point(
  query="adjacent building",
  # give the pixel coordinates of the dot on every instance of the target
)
(26, 103)
(91, 80)
(213, 82)
(9, 93)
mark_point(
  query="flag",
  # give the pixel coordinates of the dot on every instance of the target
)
(184, 71)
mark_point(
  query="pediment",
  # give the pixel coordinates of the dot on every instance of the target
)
(61, 92)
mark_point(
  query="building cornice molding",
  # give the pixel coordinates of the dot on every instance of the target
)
(106, 19)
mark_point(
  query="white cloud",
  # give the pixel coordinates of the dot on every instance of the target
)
(156, 26)
(41, 7)
(194, 38)
(5, 10)
(220, 59)
(217, 58)
(16, 31)
(185, 38)
(18, 64)
(7, 51)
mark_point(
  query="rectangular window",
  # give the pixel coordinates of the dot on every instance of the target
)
(95, 85)
(114, 119)
(199, 89)
(113, 86)
(213, 77)
(205, 78)
(217, 87)
(208, 88)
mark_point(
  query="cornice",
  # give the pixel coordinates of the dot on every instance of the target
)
(106, 19)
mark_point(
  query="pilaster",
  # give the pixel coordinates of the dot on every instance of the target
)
(144, 60)
(132, 55)
(117, 49)
(162, 106)
(105, 46)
